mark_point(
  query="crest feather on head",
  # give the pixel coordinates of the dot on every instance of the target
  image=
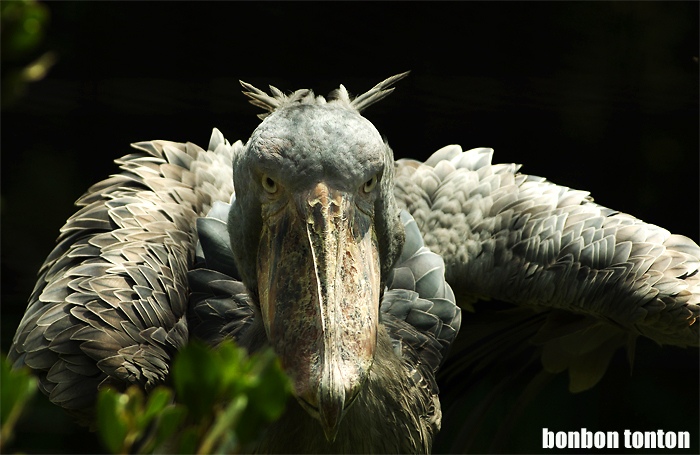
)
(278, 100)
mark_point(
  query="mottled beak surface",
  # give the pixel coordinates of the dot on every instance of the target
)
(319, 285)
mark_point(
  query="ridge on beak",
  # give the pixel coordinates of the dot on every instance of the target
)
(319, 286)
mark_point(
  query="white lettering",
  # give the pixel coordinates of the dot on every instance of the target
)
(670, 439)
(613, 441)
(649, 440)
(573, 441)
(586, 439)
(560, 440)
(637, 439)
(547, 439)
(583, 439)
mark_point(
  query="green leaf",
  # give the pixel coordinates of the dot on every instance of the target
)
(226, 421)
(267, 396)
(17, 387)
(231, 397)
(111, 419)
(231, 364)
(133, 409)
(25, 23)
(168, 422)
(197, 379)
(158, 399)
(188, 440)
(273, 388)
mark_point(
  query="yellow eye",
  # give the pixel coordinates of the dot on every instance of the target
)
(269, 184)
(370, 184)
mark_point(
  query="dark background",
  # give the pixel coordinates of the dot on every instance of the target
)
(598, 96)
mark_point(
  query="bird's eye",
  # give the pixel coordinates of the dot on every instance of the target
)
(370, 184)
(269, 184)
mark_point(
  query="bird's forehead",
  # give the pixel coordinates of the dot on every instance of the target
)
(309, 142)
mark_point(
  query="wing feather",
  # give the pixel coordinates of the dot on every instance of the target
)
(547, 248)
(552, 232)
(110, 303)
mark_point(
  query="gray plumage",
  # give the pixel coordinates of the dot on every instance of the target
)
(524, 240)
(165, 251)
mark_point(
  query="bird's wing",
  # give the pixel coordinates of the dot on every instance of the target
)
(418, 306)
(587, 279)
(220, 305)
(110, 303)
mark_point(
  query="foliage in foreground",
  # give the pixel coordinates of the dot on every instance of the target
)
(221, 402)
(17, 387)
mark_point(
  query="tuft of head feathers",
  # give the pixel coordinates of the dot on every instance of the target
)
(278, 100)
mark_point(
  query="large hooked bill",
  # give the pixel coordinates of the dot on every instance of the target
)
(319, 287)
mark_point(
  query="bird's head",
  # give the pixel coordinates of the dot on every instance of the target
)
(315, 231)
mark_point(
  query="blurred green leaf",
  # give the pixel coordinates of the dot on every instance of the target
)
(231, 366)
(274, 387)
(23, 26)
(221, 436)
(111, 419)
(124, 419)
(267, 396)
(189, 439)
(226, 400)
(233, 396)
(158, 399)
(169, 420)
(133, 408)
(17, 387)
(197, 380)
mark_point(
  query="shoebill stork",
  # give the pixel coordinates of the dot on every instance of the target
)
(353, 267)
